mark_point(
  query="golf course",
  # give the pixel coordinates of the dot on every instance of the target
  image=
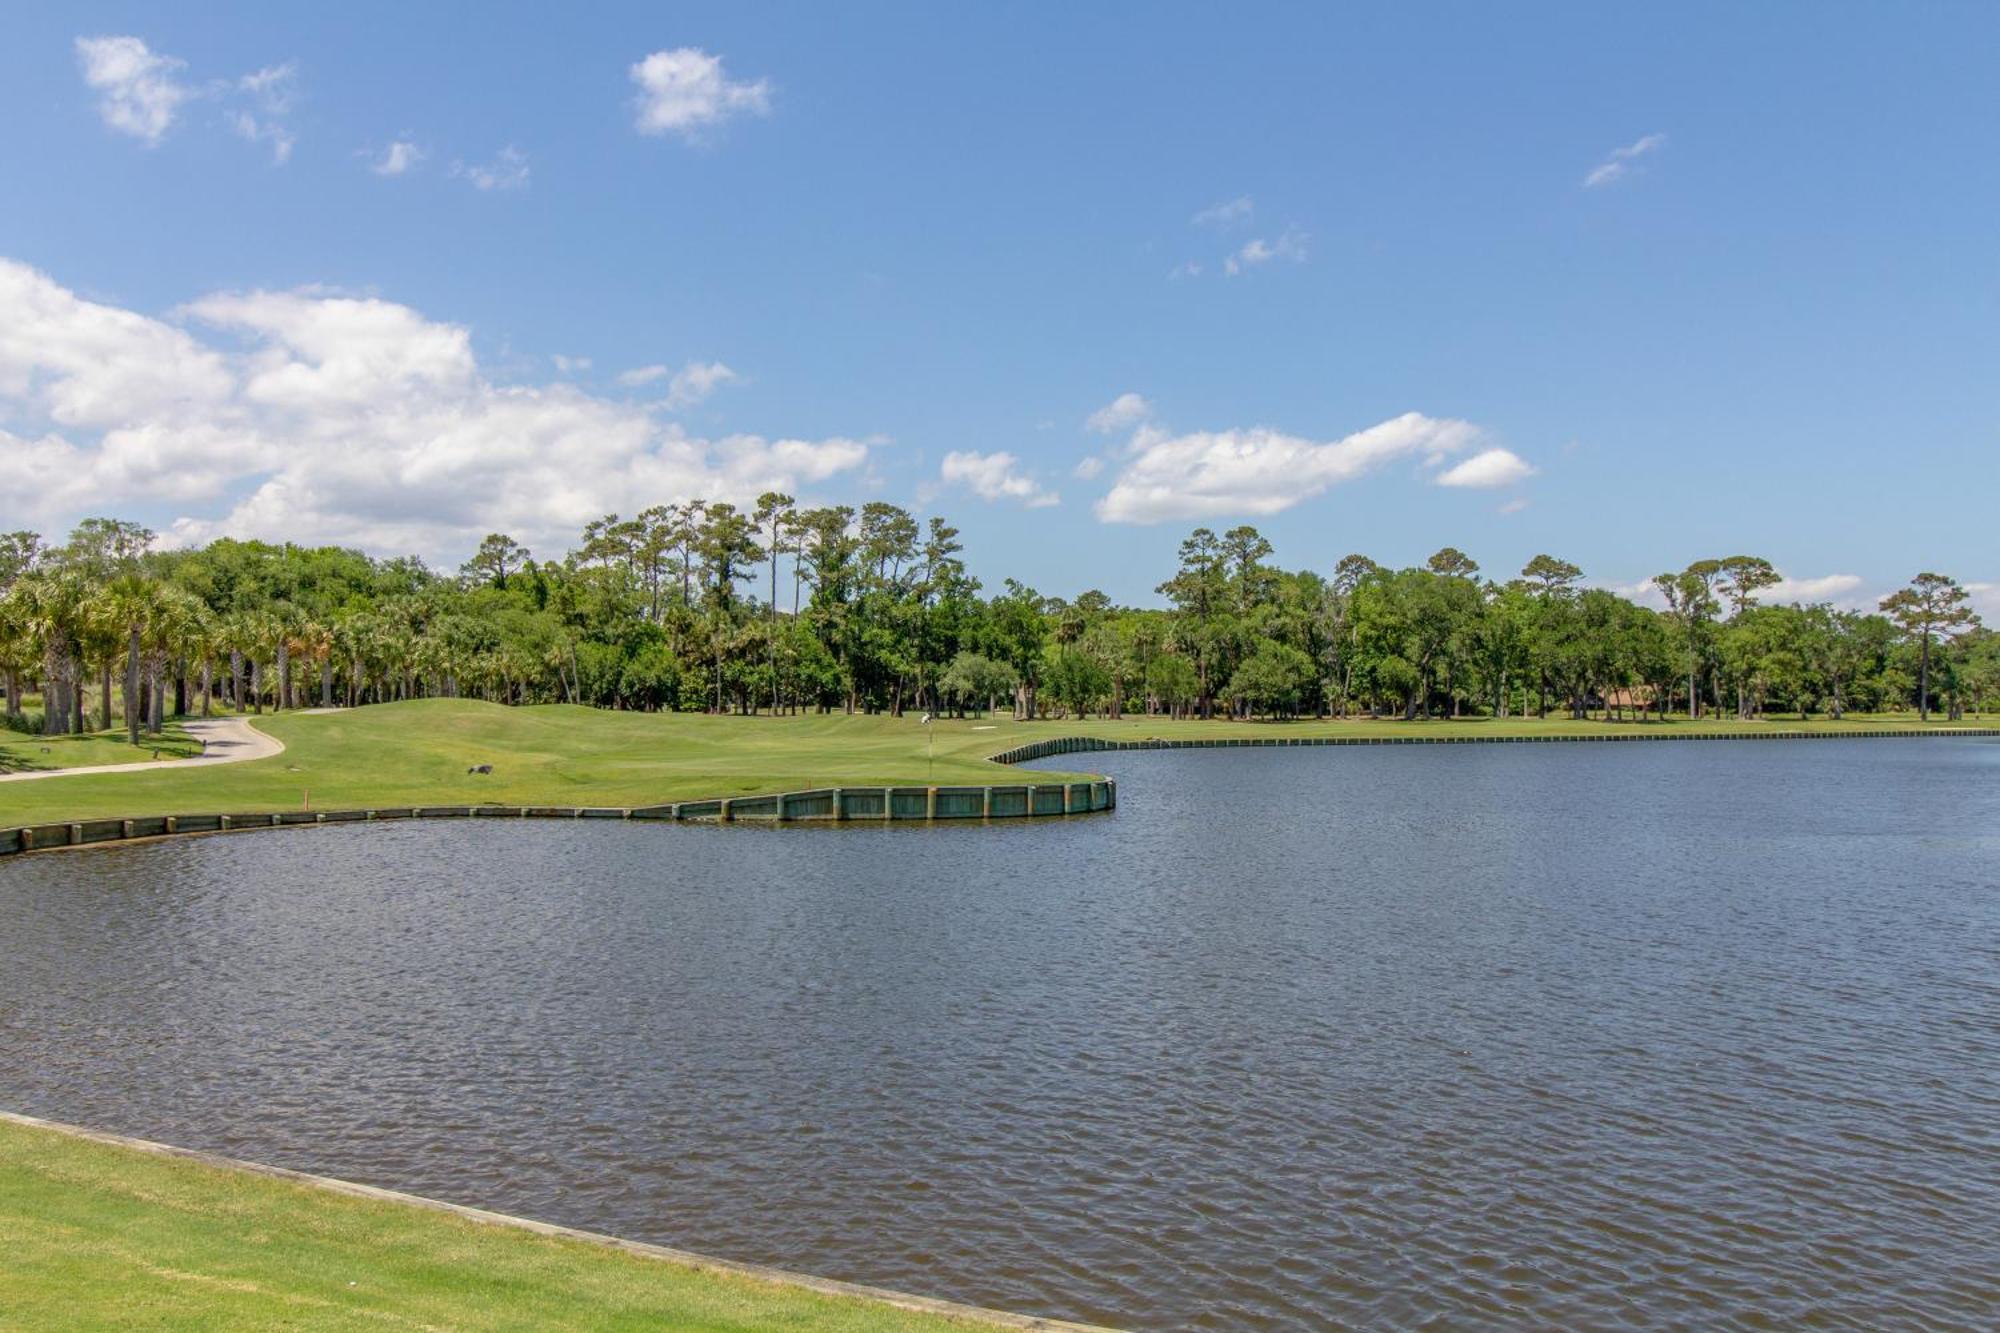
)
(421, 752)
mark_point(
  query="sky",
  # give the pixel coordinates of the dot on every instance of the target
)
(1627, 285)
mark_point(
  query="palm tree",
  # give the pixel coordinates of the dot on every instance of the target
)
(53, 610)
(17, 651)
(124, 609)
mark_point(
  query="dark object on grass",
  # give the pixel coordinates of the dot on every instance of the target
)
(480, 768)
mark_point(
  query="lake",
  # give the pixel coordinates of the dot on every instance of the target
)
(1536, 1035)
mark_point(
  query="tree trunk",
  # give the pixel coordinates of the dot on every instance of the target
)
(1924, 680)
(131, 685)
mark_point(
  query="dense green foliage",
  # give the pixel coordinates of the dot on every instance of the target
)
(702, 607)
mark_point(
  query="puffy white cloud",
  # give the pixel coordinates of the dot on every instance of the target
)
(570, 365)
(81, 364)
(1120, 414)
(507, 171)
(684, 92)
(324, 418)
(1226, 214)
(138, 91)
(1619, 165)
(398, 159)
(1088, 469)
(1488, 469)
(995, 476)
(1259, 470)
(1257, 251)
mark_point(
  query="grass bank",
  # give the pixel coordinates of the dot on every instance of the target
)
(105, 1236)
(417, 753)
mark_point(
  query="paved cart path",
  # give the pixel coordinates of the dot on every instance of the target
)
(227, 740)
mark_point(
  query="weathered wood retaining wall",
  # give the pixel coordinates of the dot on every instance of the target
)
(824, 804)
(1062, 745)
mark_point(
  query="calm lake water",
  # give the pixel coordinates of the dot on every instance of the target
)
(1534, 1035)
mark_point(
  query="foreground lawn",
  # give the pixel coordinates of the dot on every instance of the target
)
(417, 753)
(101, 1236)
(22, 754)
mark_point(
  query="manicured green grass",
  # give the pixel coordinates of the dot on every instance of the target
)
(21, 754)
(417, 753)
(98, 1236)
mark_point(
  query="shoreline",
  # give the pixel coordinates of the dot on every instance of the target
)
(687, 1260)
(870, 804)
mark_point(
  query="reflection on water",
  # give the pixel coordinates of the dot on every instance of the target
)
(1533, 1035)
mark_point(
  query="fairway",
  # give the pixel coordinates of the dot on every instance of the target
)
(418, 753)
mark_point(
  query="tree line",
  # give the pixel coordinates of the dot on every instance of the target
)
(775, 608)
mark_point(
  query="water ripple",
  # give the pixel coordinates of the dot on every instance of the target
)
(1607, 1036)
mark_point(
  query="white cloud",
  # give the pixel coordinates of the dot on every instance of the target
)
(1121, 413)
(995, 476)
(317, 418)
(696, 381)
(685, 92)
(1225, 214)
(1259, 470)
(398, 158)
(1514, 506)
(1643, 591)
(507, 171)
(273, 91)
(256, 130)
(1839, 589)
(1088, 468)
(1985, 601)
(1488, 469)
(1257, 251)
(1186, 269)
(687, 386)
(1619, 164)
(275, 86)
(570, 365)
(138, 93)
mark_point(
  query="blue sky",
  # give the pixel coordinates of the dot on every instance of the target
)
(873, 248)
